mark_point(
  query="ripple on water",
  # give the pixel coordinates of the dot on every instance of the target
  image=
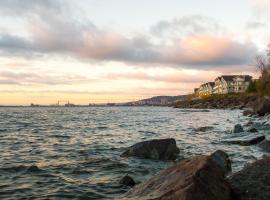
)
(74, 153)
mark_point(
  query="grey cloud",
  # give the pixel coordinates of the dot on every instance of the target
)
(255, 25)
(59, 33)
(29, 7)
(26, 78)
(106, 47)
(185, 25)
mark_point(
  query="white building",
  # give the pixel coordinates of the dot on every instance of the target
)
(231, 84)
(206, 89)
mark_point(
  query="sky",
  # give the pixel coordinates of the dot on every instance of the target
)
(103, 51)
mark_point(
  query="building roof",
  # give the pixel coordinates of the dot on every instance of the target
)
(231, 77)
(212, 84)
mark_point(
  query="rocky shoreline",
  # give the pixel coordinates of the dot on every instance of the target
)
(198, 178)
(209, 177)
(219, 102)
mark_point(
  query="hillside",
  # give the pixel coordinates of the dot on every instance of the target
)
(157, 101)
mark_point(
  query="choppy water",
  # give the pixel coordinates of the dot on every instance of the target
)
(61, 153)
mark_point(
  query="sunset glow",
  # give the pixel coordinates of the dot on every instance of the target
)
(68, 50)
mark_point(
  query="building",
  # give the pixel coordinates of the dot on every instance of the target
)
(206, 89)
(231, 84)
(196, 91)
(241, 83)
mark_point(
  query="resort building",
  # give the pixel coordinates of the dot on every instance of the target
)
(224, 85)
(206, 89)
(196, 91)
(231, 84)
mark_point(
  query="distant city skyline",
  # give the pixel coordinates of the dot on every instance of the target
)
(100, 51)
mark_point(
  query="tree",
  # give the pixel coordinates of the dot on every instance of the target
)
(252, 88)
(263, 65)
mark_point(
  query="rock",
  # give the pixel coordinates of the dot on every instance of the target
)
(248, 113)
(252, 130)
(262, 107)
(253, 182)
(250, 123)
(162, 149)
(238, 128)
(265, 146)
(204, 129)
(199, 178)
(127, 180)
(245, 141)
(223, 160)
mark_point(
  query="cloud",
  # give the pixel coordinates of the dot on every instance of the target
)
(197, 51)
(61, 34)
(27, 78)
(29, 7)
(255, 25)
(185, 26)
(172, 77)
(261, 7)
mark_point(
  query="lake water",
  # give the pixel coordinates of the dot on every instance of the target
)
(61, 153)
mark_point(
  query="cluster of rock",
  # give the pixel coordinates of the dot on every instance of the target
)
(256, 105)
(218, 102)
(198, 178)
(241, 137)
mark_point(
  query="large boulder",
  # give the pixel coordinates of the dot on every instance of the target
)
(253, 182)
(223, 160)
(199, 178)
(262, 107)
(162, 149)
(265, 146)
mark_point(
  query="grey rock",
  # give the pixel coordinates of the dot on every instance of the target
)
(265, 146)
(248, 113)
(252, 130)
(127, 180)
(262, 107)
(253, 182)
(199, 178)
(160, 149)
(238, 128)
(246, 140)
(204, 128)
(223, 160)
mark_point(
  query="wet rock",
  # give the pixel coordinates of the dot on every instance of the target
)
(33, 168)
(246, 140)
(265, 146)
(198, 178)
(250, 123)
(262, 107)
(253, 182)
(204, 129)
(223, 160)
(248, 113)
(127, 180)
(252, 130)
(238, 128)
(162, 149)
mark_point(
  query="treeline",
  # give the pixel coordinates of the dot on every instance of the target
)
(262, 85)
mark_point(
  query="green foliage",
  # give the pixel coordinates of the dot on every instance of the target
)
(252, 88)
(190, 96)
